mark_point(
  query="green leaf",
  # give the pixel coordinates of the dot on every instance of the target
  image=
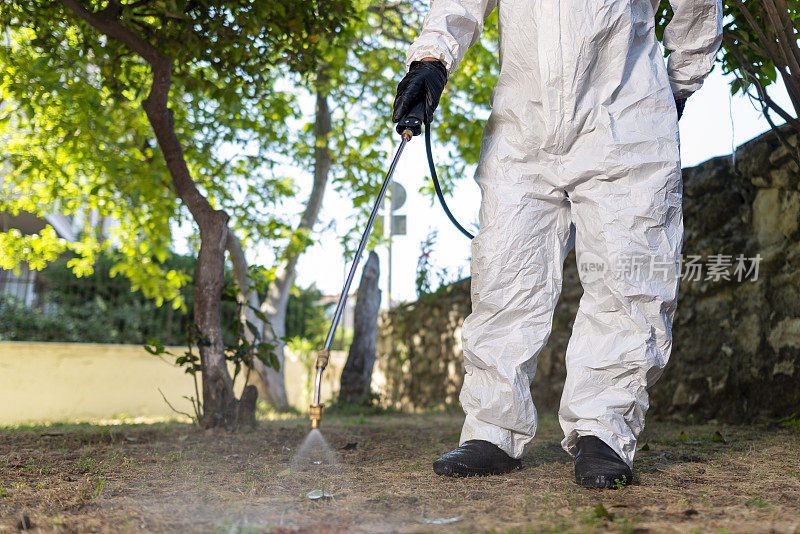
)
(153, 346)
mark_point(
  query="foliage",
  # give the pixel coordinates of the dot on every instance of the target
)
(427, 270)
(423, 281)
(306, 316)
(759, 43)
(791, 422)
(95, 308)
(19, 322)
(74, 147)
(73, 108)
(99, 308)
(239, 355)
(77, 139)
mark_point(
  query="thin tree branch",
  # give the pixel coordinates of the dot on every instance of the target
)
(173, 408)
(777, 26)
(769, 45)
(155, 105)
(787, 25)
(738, 36)
(744, 67)
(107, 23)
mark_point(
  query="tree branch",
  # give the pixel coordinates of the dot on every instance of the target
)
(763, 97)
(107, 23)
(738, 36)
(155, 105)
(774, 55)
(775, 20)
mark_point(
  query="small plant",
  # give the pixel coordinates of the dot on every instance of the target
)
(423, 280)
(758, 501)
(86, 465)
(600, 512)
(248, 346)
(427, 271)
(99, 484)
(791, 422)
(92, 488)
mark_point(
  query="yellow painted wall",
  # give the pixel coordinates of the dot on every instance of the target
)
(79, 381)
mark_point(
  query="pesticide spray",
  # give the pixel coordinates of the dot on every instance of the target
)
(315, 456)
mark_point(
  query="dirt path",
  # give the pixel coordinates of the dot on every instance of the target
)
(173, 478)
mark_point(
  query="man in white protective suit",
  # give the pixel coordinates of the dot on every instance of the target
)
(581, 149)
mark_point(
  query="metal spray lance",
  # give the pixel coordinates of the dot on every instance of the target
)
(410, 126)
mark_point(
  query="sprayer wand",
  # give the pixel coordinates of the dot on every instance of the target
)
(407, 128)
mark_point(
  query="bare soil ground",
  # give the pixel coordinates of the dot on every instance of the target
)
(171, 477)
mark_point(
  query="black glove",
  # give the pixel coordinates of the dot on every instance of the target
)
(424, 82)
(680, 103)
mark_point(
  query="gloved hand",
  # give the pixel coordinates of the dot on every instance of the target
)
(424, 81)
(680, 103)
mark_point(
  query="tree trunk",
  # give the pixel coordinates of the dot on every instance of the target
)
(272, 383)
(357, 373)
(250, 296)
(219, 402)
(219, 405)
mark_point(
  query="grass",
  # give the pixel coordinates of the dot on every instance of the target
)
(172, 477)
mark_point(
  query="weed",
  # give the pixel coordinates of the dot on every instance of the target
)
(30, 465)
(3, 492)
(626, 523)
(596, 515)
(791, 422)
(759, 502)
(620, 483)
(86, 465)
(99, 484)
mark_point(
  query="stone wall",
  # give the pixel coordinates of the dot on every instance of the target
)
(736, 349)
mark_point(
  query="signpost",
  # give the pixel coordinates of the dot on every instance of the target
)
(397, 198)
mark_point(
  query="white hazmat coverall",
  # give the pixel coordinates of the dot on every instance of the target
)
(581, 146)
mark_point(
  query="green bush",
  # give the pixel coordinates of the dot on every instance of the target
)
(105, 309)
(19, 322)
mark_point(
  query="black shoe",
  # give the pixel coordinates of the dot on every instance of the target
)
(598, 466)
(475, 458)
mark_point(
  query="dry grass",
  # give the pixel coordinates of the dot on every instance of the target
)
(173, 478)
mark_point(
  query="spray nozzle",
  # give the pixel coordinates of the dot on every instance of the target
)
(315, 410)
